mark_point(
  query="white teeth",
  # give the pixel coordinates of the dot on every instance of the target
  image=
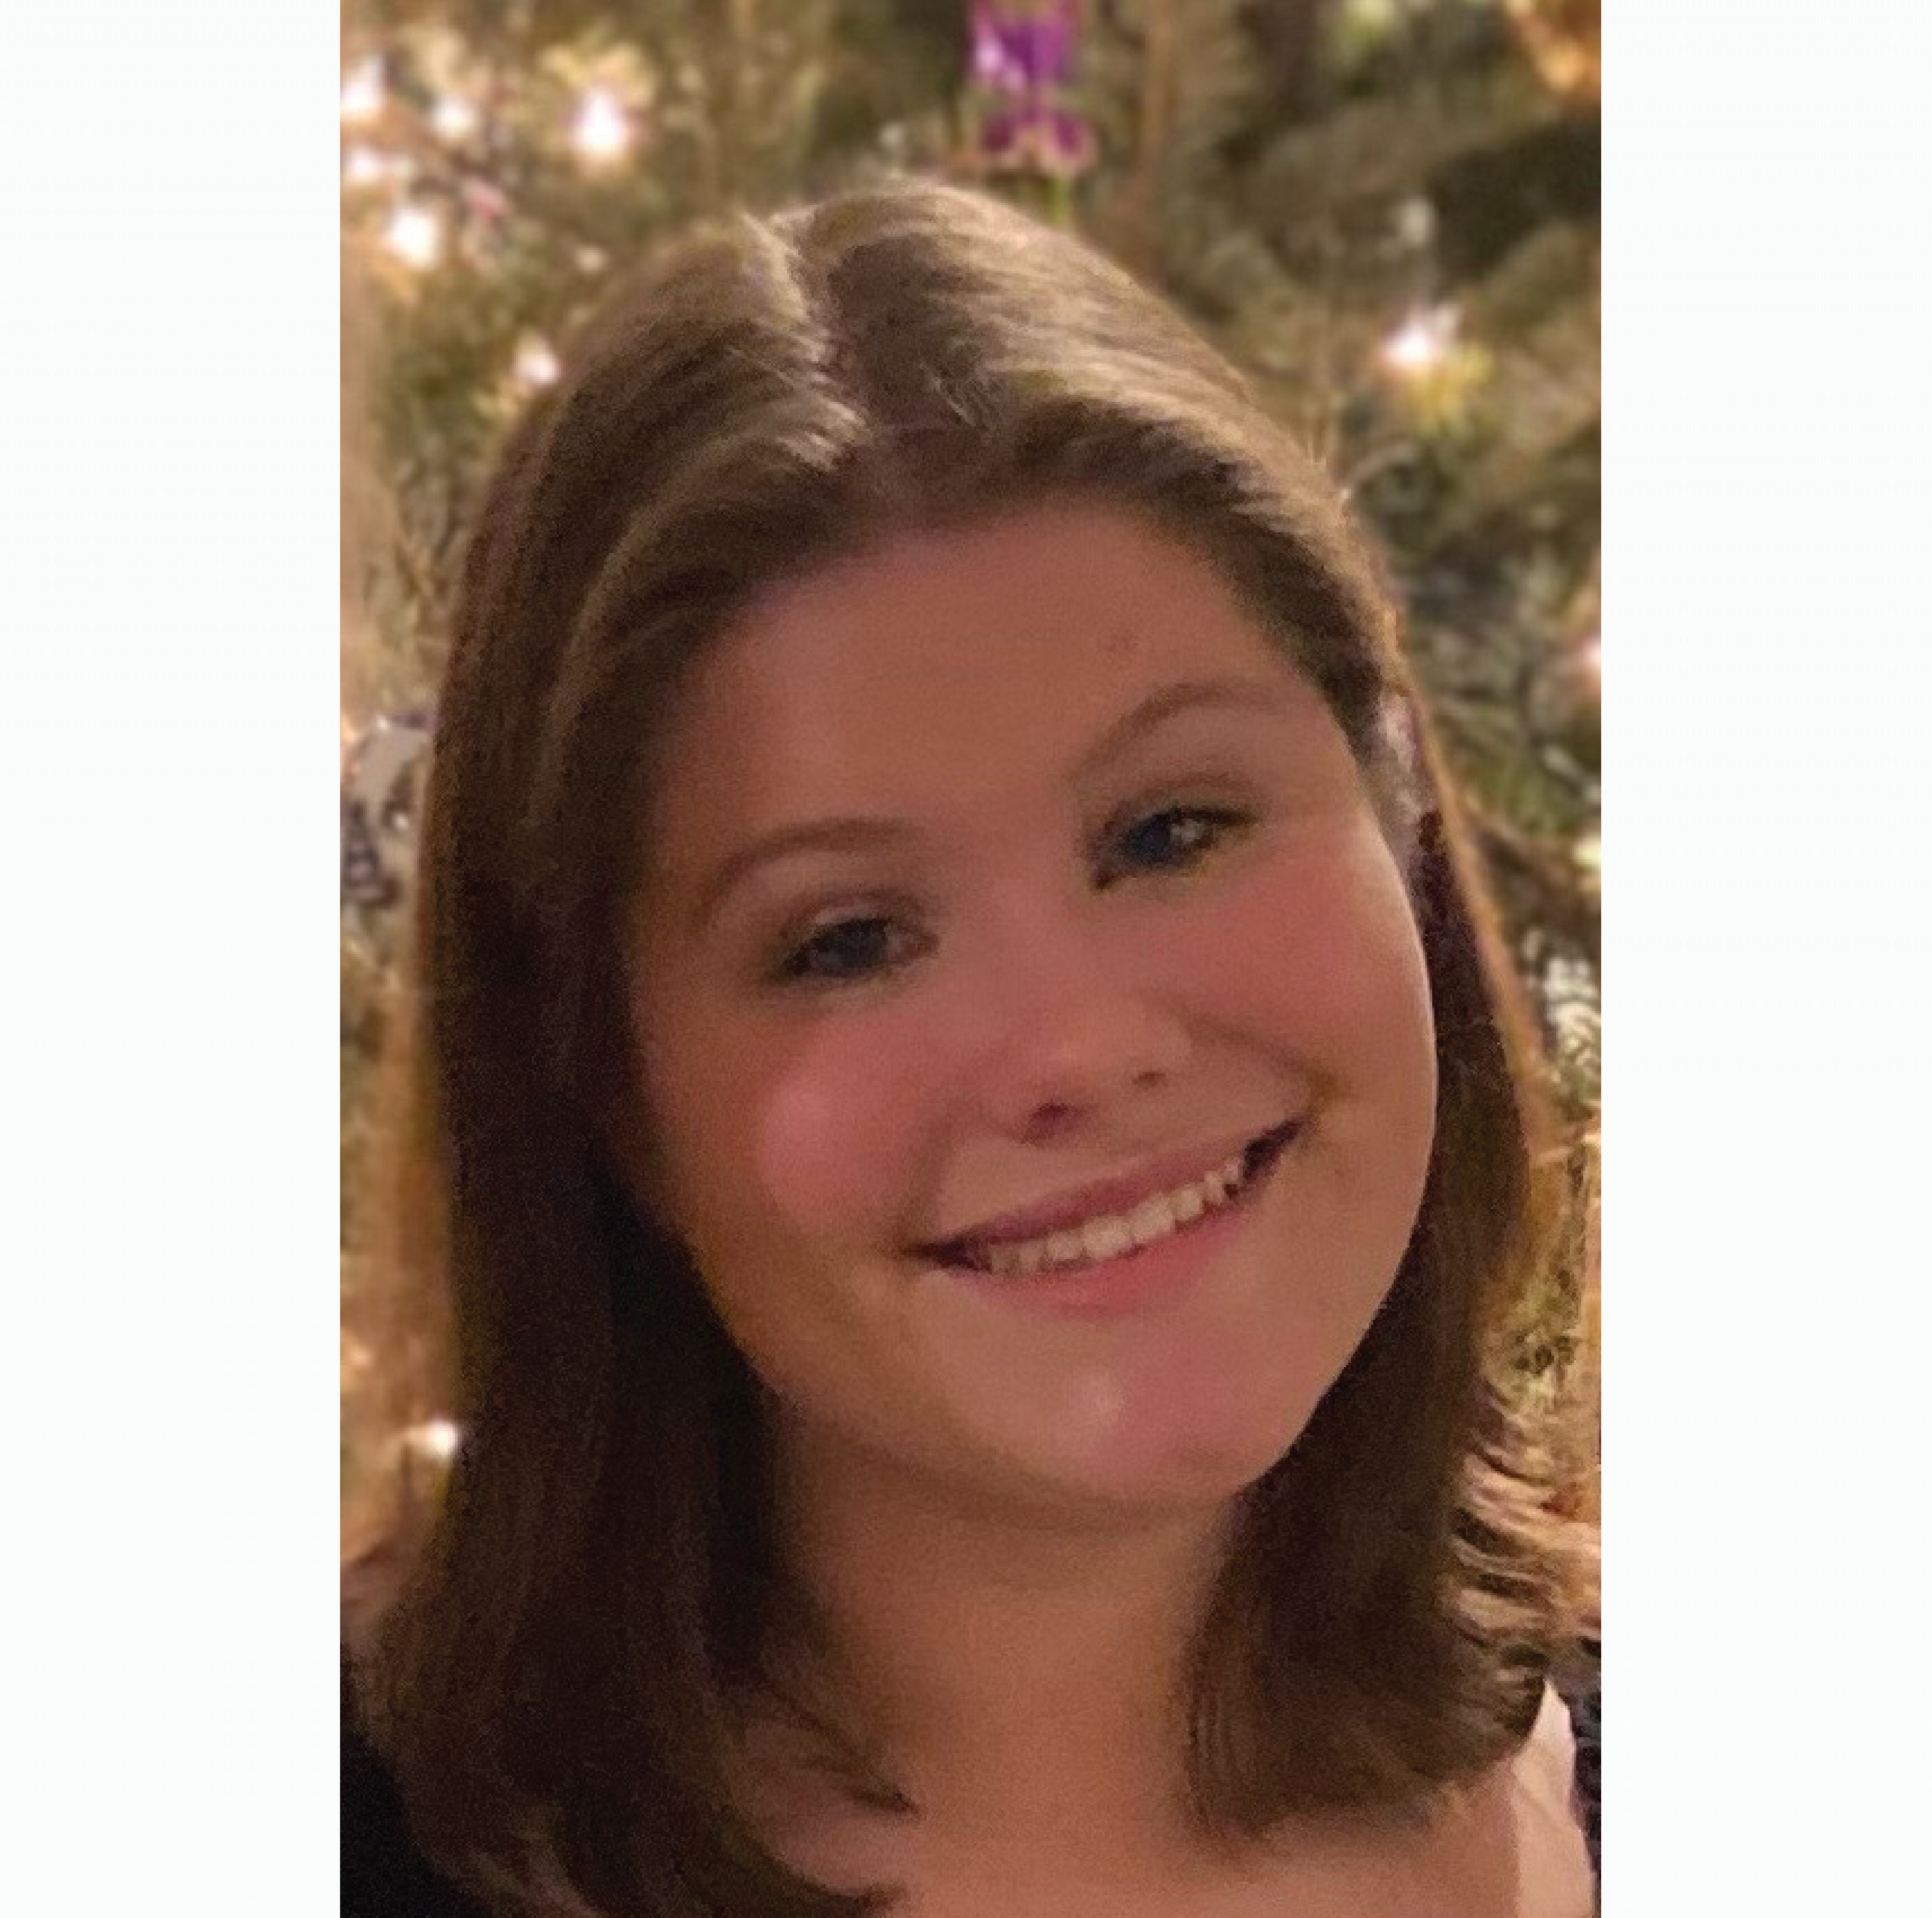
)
(1151, 1219)
(1107, 1238)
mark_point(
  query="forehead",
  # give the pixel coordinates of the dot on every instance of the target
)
(960, 657)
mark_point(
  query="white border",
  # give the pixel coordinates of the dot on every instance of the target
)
(1766, 697)
(168, 1065)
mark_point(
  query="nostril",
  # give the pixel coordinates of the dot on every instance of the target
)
(1051, 1120)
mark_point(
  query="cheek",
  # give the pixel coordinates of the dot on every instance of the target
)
(783, 1172)
(830, 1131)
(1320, 946)
(805, 1140)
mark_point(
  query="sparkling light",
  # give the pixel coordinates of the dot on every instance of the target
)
(437, 1438)
(364, 167)
(601, 131)
(1590, 657)
(362, 93)
(454, 118)
(536, 364)
(1421, 342)
(414, 236)
(1415, 222)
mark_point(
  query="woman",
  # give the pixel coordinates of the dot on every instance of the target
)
(981, 1142)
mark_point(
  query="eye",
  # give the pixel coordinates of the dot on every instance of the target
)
(1177, 838)
(847, 951)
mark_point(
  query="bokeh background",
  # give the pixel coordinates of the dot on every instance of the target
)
(1386, 210)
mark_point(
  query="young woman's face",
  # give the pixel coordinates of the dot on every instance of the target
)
(1007, 889)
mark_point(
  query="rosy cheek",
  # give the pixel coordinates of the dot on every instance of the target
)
(832, 1126)
(1322, 938)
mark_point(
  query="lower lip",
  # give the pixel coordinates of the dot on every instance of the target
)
(1146, 1277)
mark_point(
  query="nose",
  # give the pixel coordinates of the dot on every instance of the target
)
(1078, 1032)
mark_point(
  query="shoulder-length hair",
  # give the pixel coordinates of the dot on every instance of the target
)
(553, 1686)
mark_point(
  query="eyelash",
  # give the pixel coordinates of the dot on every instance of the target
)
(1222, 824)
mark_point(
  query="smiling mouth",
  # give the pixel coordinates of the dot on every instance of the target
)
(1113, 1235)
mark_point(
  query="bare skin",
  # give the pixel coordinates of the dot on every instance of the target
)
(1027, 1713)
(1058, 955)
(1507, 1846)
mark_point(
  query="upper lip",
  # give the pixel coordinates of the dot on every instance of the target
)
(1101, 1197)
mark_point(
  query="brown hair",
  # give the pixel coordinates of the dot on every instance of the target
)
(552, 1687)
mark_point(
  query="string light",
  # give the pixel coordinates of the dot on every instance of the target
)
(1415, 222)
(436, 1439)
(454, 118)
(536, 365)
(415, 235)
(1374, 17)
(1565, 39)
(601, 131)
(364, 167)
(1421, 342)
(1590, 657)
(362, 93)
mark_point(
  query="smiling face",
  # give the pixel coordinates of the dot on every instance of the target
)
(1005, 886)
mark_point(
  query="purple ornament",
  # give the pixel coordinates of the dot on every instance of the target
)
(1040, 139)
(1023, 52)
(1024, 58)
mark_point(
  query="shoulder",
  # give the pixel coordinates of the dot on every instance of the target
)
(1511, 1843)
(1553, 1812)
(1585, 1709)
(384, 1875)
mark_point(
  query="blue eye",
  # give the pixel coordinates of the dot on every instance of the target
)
(848, 950)
(1175, 840)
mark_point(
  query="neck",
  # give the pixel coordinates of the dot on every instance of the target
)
(1013, 1673)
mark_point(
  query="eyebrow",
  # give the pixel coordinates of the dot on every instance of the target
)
(859, 835)
(844, 835)
(1185, 696)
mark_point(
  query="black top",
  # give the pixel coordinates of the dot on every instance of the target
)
(385, 1876)
(1586, 1718)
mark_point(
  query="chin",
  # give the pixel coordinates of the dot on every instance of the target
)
(1169, 1472)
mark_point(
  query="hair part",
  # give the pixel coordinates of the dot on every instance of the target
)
(555, 1684)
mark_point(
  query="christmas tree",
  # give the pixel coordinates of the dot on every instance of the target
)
(1386, 210)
